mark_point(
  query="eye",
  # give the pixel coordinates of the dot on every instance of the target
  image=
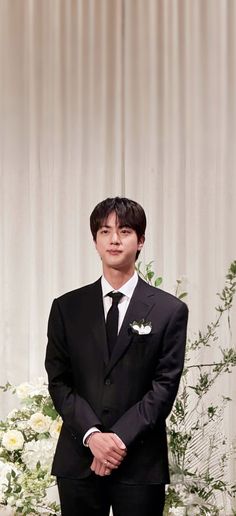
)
(104, 231)
(125, 231)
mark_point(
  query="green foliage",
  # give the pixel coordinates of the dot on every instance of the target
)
(199, 454)
(148, 274)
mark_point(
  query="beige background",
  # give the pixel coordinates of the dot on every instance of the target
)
(109, 97)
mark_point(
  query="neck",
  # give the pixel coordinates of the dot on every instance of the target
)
(117, 278)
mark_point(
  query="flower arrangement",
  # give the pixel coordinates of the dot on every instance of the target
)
(28, 438)
(198, 451)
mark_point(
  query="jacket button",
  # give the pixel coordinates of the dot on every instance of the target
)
(108, 381)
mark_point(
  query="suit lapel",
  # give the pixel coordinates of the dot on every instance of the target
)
(97, 320)
(139, 307)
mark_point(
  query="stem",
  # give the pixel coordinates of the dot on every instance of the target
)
(205, 365)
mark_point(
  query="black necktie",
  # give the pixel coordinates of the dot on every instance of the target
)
(112, 320)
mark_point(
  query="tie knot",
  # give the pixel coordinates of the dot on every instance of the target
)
(116, 297)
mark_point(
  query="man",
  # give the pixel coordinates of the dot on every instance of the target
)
(114, 392)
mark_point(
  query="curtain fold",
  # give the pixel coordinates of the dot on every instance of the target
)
(113, 97)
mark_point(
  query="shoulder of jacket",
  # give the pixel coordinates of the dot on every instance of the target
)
(162, 295)
(79, 292)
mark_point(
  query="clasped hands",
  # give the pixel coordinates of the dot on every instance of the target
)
(108, 452)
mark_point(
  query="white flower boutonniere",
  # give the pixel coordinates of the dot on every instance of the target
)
(142, 327)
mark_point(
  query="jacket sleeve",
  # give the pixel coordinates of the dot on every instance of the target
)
(157, 403)
(77, 414)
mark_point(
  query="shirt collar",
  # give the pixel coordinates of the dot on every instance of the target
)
(127, 289)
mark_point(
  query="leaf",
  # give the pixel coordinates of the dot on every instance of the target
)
(49, 410)
(184, 294)
(158, 281)
(150, 275)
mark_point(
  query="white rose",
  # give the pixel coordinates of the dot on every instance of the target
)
(55, 428)
(13, 440)
(40, 423)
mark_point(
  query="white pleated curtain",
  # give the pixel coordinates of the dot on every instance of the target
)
(109, 97)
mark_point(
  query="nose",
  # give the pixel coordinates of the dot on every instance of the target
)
(115, 238)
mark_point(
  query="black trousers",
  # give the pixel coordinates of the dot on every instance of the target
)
(94, 496)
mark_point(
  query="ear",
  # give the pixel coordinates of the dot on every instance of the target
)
(141, 242)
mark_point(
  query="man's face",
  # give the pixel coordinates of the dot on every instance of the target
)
(117, 245)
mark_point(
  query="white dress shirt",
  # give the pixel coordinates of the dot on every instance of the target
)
(127, 290)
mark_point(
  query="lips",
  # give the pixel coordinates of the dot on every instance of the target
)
(114, 252)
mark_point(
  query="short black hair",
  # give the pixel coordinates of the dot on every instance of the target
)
(129, 213)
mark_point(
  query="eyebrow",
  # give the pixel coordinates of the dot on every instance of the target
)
(119, 226)
(104, 226)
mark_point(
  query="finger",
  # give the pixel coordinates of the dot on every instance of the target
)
(115, 455)
(119, 442)
(103, 471)
(92, 467)
(99, 468)
(116, 452)
(111, 463)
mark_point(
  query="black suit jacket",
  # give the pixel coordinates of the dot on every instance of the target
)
(130, 394)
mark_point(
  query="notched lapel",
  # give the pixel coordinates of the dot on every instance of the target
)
(97, 320)
(139, 308)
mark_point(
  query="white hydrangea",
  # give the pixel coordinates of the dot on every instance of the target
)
(40, 423)
(39, 451)
(55, 428)
(13, 440)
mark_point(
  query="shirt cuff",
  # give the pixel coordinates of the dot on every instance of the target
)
(92, 430)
